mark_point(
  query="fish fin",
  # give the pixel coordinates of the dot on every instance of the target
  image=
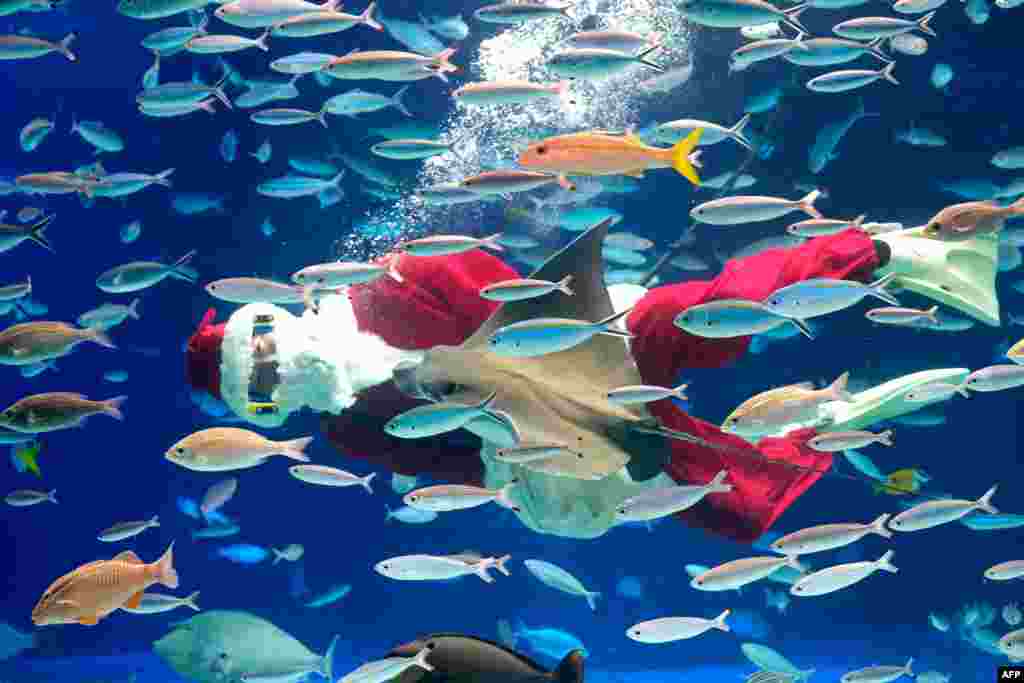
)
(718, 485)
(564, 285)
(190, 601)
(923, 24)
(719, 621)
(133, 309)
(367, 18)
(506, 634)
(570, 669)
(878, 289)
(886, 73)
(65, 46)
(838, 388)
(88, 621)
(481, 570)
(791, 17)
(885, 563)
(127, 556)
(878, 526)
(180, 269)
(365, 482)
(100, 337)
(680, 156)
(885, 437)
(166, 573)
(162, 178)
(327, 663)
(112, 407)
(807, 204)
(804, 328)
(134, 601)
(985, 502)
(295, 447)
(396, 99)
(910, 662)
(504, 496)
(500, 564)
(736, 132)
(420, 659)
(642, 58)
(591, 598)
(38, 233)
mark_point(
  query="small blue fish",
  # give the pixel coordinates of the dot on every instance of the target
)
(267, 228)
(330, 196)
(229, 146)
(263, 152)
(295, 186)
(130, 232)
(244, 553)
(548, 641)
(333, 594)
(188, 507)
(192, 203)
(630, 587)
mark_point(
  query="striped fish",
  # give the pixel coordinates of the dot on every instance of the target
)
(770, 677)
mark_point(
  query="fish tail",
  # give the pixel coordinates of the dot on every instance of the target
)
(736, 132)
(931, 315)
(100, 337)
(859, 220)
(907, 669)
(794, 562)
(365, 482)
(278, 556)
(155, 522)
(295, 448)
(133, 309)
(885, 438)
(65, 47)
(875, 47)
(481, 570)
(500, 564)
(208, 107)
(443, 62)
(719, 621)
(491, 242)
(420, 659)
(52, 496)
(878, 526)
(886, 73)
(1017, 208)
(807, 204)
(718, 485)
(962, 390)
(190, 601)
(804, 328)
(162, 177)
(924, 24)
(591, 598)
(680, 392)
(566, 184)
(606, 324)
(885, 563)
(878, 289)
(564, 285)
(112, 407)
(570, 669)
(218, 91)
(792, 17)
(642, 58)
(166, 574)
(327, 663)
(38, 233)
(680, 156)
(985, 502)
(396, 99)
(506, 634)
(180, 269)
(388, 513)
(838, 388)
(368, 19)
(261, 42)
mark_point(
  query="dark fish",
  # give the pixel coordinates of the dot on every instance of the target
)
(466, 659)
(770, 677)
(56, 410)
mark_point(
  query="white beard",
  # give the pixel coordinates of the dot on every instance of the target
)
(323, 360)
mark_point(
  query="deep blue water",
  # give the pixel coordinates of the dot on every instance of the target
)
(111, 471)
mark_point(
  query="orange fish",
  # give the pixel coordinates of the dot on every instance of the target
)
(964, 221)
(98, 588)
(597, 153)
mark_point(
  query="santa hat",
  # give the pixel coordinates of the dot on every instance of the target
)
(202, 355)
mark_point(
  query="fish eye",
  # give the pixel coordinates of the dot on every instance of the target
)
(542, 149)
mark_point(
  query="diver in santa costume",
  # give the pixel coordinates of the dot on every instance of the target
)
(388, 345)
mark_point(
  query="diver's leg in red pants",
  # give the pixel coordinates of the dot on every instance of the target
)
(768, 477)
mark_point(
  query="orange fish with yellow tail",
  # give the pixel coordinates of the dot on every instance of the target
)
(597, 153)
(98, 588)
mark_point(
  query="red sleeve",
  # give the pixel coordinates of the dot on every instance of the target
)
(662, 350)
(437, 303)
(762, 490)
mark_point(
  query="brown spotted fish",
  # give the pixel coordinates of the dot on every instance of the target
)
(56, 410)
(965, 221)
(98, 588)
(41, 340)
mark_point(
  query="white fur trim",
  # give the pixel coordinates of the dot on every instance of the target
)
(323, 360)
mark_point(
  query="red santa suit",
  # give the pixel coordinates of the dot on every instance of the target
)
(439, 304)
